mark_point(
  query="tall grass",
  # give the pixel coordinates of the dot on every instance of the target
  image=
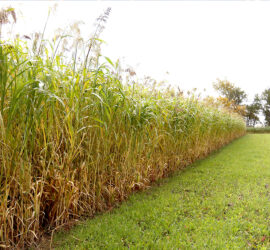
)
(74, 140)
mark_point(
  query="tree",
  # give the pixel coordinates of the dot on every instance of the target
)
(231, 96)
(253, 111)
(230, 91)
(265, 97)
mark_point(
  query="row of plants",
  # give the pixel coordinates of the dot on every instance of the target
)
(75, 140)
(259, 130)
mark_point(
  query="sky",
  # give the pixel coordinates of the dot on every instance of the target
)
(187, 44)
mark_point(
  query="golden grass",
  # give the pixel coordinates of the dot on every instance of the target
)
(75, 140)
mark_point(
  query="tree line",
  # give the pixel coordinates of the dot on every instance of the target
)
(235, 98)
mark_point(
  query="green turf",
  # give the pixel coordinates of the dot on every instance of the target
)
(222, 202)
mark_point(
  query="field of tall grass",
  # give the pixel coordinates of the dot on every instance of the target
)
(75, 140)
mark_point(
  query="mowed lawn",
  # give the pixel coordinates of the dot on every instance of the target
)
(221, 202)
